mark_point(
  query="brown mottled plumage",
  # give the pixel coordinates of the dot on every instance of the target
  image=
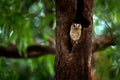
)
(75, 32)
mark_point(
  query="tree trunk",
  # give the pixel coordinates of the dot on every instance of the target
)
(73, 60)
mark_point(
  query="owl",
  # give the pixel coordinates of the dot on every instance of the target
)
(75, 33)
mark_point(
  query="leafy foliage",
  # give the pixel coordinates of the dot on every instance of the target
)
(107, 20)
(24, 20)
(23, 23)
(29, 69)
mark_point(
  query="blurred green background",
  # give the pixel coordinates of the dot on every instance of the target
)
(28, 22)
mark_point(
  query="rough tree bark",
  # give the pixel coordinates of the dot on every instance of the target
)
(73, 61)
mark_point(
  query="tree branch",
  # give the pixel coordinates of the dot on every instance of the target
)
(101, 43)
(32, 51)
(11, 51)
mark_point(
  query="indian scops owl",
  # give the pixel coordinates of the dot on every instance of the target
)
(75, 32)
